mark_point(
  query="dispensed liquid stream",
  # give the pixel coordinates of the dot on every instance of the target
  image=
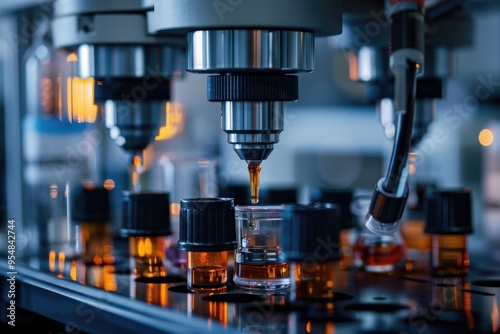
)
(254, 172)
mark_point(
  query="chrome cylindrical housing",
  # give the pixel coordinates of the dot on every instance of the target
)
(252, 127)
(219, 51)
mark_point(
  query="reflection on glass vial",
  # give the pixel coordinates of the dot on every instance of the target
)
(207, 271)
(346, 237)
(146, 255)
(449, 255)
(96, 243)
(313, 280)
(376, 253)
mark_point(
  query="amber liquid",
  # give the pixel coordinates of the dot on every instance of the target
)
(378, 256)
(147, 255)
(208, 277)
(97, 243)
(413, 235)
(313, 281)
(254, 172)
(449, 255)
(268, 271)
(418, 245)
(346, 249)
(207, 271)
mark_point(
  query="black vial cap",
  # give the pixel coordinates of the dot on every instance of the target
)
(239, 193)
(272, 196)
(343, 198)
(207, 224)
(311, 232)
(90, 204)
(448, 211)
(145, 214)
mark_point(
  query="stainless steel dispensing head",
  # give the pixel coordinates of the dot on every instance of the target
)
(116, 45)
(252, 46)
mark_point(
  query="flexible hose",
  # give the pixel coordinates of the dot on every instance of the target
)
(396, 173)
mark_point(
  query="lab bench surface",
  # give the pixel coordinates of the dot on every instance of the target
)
(108, 299)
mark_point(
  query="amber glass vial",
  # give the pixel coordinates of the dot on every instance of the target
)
(146, 222)
(448, 221)
(91, 211)
(310, 239)
(207, 231)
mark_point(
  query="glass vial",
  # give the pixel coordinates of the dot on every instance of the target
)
(207, 231)
(146, 222)
(91, 211)
(448, 216)
(260, 262)
(310, 235)
(378, 254)
(418, 243)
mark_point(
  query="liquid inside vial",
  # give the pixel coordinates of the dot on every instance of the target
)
(378, 254)
(147, 255)
(207, 277)
(254, 172)
(449, 255)
(207, 271)
(315, 282)
(268, 271)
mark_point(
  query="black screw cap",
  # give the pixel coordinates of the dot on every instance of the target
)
(311, 232)
(146, 214)
(343, 198)
(448, 211)
(90, 204)
(207, 224)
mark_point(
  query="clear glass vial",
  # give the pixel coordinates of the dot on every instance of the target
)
(207, 231)
(448, 219)
(260, 262)
(310, 235)
(146, 222)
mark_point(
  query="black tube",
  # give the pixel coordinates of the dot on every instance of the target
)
(402, 140)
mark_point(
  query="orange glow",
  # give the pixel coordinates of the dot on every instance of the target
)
(353, 66)
(494, 317)
(81, 107)
(72, 271)
(110, 278)
(308, 327)
(62, 257)
(97, 260)
(72, 57)
(88, 184)
(53, 191)
(108, 258)
(52, 261)
(145, 247)
(174, 121)
(486, 137)
(109, 184)
(412, 169)
(330, 328)
(175, 209)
